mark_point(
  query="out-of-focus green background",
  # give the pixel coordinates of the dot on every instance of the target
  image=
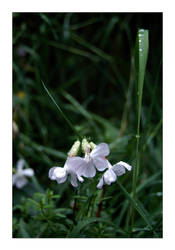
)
(86, 60)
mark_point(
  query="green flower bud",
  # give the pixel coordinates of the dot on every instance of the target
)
(85, 146)
(92, 145)
(74, 149)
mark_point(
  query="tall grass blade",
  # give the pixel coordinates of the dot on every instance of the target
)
(139, 208)
(61, 112)
(141, 60)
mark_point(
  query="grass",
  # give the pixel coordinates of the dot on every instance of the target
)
(87, 63)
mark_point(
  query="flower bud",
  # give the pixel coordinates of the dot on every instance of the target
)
(85, 146)
(92, 145)
(74, 149)
(15, 129)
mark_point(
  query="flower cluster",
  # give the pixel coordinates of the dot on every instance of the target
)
(94, 159)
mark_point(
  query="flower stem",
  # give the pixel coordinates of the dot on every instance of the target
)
(61, 113)
(98, 214)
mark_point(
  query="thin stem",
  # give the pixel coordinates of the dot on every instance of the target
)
(61, 113)
(98, 214)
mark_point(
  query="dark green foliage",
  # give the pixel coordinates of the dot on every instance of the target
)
(86, 60)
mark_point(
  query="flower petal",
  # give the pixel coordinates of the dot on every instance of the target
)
(60, 174)
(75, 164)
(100, 184)
(20, 164)
(73, 180)
(28, 172)
(101, 163)
(14, 178)
(80, 178)
(109, 176)
(126, 165)
(21, 182)
(51, 175)
(119, 168)
(88, 170)
(61, 179)
(100, 150)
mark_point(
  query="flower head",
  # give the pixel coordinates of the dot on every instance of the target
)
(19, 178)
(111, 174)
(72, 167)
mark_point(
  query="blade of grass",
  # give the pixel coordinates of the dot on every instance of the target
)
(61, 113)
(139, 208)
(91, 47)
(86, 23)
(74, 50)
(40, 148)
(81, 110)
(141, 60)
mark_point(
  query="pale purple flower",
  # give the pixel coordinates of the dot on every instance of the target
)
(95, 158)
(72, 167)
(19, 178)
(111, 174)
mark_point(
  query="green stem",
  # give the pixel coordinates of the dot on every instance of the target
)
(61, 113)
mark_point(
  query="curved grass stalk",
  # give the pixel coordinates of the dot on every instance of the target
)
(61, 113)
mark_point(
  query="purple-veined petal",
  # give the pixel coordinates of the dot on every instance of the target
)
(101, 163)
(28, 172)
(109, 176)
(100, 184)
(100, 150)
(75, 164)
(88, 169)
(118, 169)
(21, 182)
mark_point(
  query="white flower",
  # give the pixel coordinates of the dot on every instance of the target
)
(111, 174)
(72, 166)
(19, 178)
(95, 158)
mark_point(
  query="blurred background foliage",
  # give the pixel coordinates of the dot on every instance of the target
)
(86, 61)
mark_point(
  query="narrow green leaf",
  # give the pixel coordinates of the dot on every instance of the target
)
(141, 60)
(74, 50)
(148, 181)
(61, 112)
(91, 47)
(139, 209)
